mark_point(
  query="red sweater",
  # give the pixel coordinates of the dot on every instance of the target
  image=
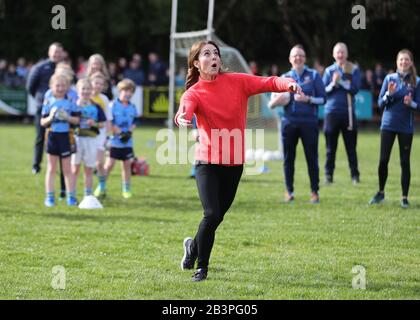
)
(220, 107)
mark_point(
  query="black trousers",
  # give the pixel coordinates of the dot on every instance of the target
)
(387, 141)
(308, 133)
(40, 138)
(217, 187)
(333, 125)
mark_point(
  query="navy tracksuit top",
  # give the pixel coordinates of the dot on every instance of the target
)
(311, 84)
(337, 94)
(397, 116)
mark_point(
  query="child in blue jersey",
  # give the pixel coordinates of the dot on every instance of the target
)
(98, 81)
(123, 114)
(66, 70)
(300, 120)
(57, 114)
(399, 98)
(342, 82)
(92, 118)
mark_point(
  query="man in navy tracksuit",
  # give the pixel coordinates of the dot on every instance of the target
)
(37, 84)
(399, 98)
(300, 120)
(342, 82)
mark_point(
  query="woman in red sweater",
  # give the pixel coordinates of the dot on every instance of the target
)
(219, 101)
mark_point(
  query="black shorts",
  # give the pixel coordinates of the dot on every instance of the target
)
(58, 144)
(121, 153)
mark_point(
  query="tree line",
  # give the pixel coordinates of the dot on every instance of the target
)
(262, 30)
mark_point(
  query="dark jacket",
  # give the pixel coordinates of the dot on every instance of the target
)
(39, 78)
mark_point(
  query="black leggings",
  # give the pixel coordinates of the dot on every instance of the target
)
(217, 187)
(387, 141)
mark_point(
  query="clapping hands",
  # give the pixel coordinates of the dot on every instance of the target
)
(301, 97)
(336, 77)
(408, 99)
(295, 88)
(392, 87)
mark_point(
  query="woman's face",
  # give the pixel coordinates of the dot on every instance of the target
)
(96, 65)
(340, 54)
(404, 62)
(208, 62)
(297, 58)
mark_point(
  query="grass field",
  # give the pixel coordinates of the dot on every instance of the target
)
(264, 249)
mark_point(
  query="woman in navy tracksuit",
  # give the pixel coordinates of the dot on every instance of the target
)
(341, 86)
(300, 120)
(399, 98)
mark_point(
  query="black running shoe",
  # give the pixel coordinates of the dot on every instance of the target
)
(404, 203)
(199, 275)
(355, 180)
(36, 169)
(188, 260)
(62, 195)
(378, 198)
(328, 179)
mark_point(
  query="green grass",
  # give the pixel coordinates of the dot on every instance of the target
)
(264, 249)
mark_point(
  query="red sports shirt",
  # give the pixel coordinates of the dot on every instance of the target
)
(220, 107)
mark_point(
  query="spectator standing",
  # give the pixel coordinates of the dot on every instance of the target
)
(134, 73)
(12, 79)
(254, 68)
(399, 98)
(367, 81)
(21, 68)
(113, 73)
(37, 84)
(96, 63)
(157, 75)
(342, 82)
(3, 69)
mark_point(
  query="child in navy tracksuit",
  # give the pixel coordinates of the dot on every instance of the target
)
(300, 120)
(399, 98)
(341, 86)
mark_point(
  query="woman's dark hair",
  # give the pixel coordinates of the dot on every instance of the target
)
(193, 74)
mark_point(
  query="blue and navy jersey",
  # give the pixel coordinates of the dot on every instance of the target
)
(64, 104)
(337, 95)
(396, 115)
(91, 111)
(70, 95)
(311, 83)
(123, 118)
